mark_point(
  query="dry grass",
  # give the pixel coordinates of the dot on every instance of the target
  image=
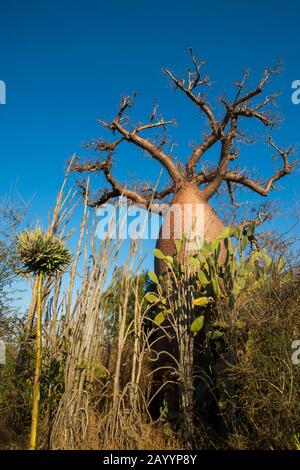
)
(267, 383)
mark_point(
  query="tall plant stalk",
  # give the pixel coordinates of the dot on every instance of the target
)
(38, 362)
(40, 254)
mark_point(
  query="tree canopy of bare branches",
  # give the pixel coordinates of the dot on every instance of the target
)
(227, 131)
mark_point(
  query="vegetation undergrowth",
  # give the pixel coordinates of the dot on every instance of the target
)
(200, 357)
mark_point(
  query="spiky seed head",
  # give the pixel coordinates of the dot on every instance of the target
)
(41, 253)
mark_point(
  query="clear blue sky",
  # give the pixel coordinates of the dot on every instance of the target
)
(66, 63)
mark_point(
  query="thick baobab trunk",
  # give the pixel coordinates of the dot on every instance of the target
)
(190, 215)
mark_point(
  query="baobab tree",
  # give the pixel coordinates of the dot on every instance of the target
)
(191, 183)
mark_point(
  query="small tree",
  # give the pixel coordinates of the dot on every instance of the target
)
(39, 254)
(11, 215)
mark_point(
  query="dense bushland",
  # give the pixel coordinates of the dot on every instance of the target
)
(224, 377)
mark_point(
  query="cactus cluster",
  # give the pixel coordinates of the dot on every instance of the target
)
(218, 271)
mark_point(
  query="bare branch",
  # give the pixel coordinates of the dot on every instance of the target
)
(213, 176)
(240, 85)
(87, 167)
(132, 136)
(152, 125)
(106, 195)
(238, 108)
(231, 194)
(104, 146)
(197, 99)
(258, 187)
(264, 80)
(261, 217)
(195, 78)
(198, 152)
(119, 190)
(154, 111)
(160, 195)
(156, 153)
(225, 130)
(226, 156)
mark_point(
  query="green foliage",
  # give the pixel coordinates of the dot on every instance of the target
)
(158, 254)
(219, 271)
(268, 383)
(10, 218)
(236, 300)
(151, 297)
(160, 318)
(197, 324)
(202, 301)
(297, 441)
(153, 277)
(114, 294)
(205, 294)
(15, 396)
